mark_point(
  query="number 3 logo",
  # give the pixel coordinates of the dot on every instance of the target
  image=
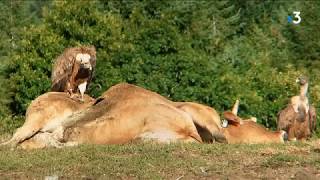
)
(297, 17)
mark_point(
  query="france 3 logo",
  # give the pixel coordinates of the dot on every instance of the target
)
(296, 19)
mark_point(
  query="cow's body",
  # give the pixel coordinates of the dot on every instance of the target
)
(237, 131)
(206, 119)
(126, 113)
(122, 114)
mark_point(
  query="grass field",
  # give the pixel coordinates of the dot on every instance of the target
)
(165, 161)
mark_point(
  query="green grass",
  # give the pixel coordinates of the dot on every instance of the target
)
(158, 161)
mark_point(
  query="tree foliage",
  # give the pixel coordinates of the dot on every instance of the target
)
(211, 52)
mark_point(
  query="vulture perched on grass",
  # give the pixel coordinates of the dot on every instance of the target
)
(298, 119)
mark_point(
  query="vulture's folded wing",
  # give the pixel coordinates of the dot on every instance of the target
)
(61, 71)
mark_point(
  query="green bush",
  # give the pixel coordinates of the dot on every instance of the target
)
(208, 52)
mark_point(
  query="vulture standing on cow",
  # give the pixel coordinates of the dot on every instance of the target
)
(298, 119)
(73, 70)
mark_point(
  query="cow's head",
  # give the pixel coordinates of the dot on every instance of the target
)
(238, 130)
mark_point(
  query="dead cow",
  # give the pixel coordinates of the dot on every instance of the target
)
(124, 113)
(248, 131)
(236, 131)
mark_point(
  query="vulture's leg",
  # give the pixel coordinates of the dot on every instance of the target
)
(69, 89)
(82, 88)
(291, 134)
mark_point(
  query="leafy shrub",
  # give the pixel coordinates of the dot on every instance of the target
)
(193, 51)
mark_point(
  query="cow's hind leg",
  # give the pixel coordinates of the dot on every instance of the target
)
(22, 133)
(31, 126)
(43, 140)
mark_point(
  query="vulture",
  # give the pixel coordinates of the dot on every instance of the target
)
(298, 119)
(301, 101)
(73, 70)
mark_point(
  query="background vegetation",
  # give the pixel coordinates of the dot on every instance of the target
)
(212, 52)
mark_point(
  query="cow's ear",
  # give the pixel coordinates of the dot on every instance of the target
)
(232, 118)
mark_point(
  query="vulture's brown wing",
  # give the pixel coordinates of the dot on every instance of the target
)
(313, 118)
(286, 117)
(62, 70)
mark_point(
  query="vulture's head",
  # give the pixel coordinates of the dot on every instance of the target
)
(302, 80)
(84, 61)
(85, 56)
